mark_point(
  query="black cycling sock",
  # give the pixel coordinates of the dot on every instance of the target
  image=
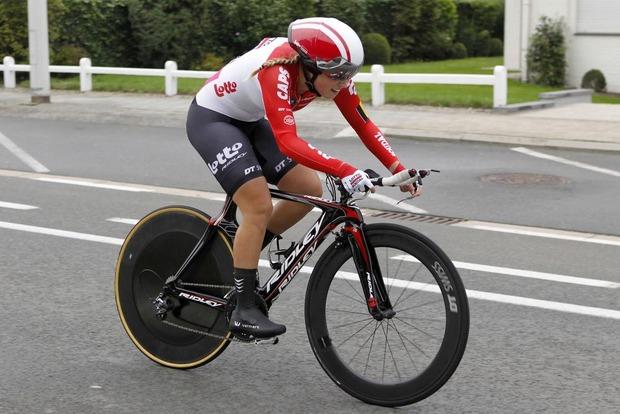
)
(245, 285)
(269, 236)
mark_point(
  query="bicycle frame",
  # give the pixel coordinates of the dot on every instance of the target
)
(333, 214)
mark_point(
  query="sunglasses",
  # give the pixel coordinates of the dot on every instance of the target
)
(337, 69)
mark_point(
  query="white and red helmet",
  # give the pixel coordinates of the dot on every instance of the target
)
(327, 45)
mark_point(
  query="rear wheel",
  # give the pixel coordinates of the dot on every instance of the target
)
(192, 334)
(399, 360)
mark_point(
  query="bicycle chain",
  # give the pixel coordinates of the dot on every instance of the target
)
(198, 331)
(206, 285)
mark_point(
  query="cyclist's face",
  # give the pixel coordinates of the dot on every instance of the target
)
(328, 87)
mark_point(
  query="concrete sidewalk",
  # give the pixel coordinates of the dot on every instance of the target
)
(579, 126)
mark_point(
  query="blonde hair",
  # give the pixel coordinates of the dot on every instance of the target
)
(277, 61)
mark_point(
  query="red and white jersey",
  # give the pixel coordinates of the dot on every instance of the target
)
(272, 93)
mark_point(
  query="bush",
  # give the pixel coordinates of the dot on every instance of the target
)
(594, 79)
(546, 54)
(69, 55)
(210, 61)
(479, 18)
(496, 47)
(459, 51)
(422, 29)
(377, 50)
(101, 28)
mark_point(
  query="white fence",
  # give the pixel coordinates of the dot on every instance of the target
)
(377, 78)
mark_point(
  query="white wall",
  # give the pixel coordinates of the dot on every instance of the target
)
(592, 35)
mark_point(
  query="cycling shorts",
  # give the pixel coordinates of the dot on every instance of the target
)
(236, 151)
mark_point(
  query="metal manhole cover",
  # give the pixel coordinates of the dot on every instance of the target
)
(524, 179)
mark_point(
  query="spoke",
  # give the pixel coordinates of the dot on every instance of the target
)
(410, 280)
(400, 336)
(392, 353)
(412, 343)
(361, 346)
(370, 350)
(348, 296)
(347, 311)
(396, 273)
(440, 300)
(418, 329)
(355, 290)
(351, 323)
(354, 333)
(420, 319)
(384, 354)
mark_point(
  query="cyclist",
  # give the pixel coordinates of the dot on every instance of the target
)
(242, 124)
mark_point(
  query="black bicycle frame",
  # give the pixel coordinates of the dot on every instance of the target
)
(333, 214)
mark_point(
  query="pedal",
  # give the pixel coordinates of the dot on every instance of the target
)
(267, 341)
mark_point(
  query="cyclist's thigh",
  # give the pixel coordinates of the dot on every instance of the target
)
(225, 148)
(274, 163)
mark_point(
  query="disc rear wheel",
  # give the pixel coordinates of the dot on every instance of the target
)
(191, 334)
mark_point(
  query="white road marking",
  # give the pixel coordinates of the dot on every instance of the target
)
(537, 154)
(541, 232)
(553, 277)
(479, 225)
(488, 296)
(60, 233)
(123, 220)
(347, 132)
(388, 200)
(16, 206)
(472, 294)
(22, 155)
(91, 183)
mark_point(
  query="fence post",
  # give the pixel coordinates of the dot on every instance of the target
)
(9, 72)
(171, 80)
(500, 88)
(377, 89)
(86, 78)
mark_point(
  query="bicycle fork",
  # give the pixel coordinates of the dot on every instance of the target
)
(369, 272)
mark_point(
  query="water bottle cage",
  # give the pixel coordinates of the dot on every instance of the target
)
(280, 253)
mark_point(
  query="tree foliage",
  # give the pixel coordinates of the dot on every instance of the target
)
(207, 33)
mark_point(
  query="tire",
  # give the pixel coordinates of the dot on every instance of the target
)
(154, 250)
(395, 361)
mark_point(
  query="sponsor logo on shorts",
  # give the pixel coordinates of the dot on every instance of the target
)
(226, 157)
(289, 120)
(224, 88)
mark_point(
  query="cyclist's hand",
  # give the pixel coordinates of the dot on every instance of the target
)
(414, 190)
(358, 181)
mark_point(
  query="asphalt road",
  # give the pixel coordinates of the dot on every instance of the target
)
(544, 338)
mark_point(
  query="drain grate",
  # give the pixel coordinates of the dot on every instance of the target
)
(421, 218)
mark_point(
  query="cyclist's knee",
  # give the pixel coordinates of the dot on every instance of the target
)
(313, 186)
(254, 200)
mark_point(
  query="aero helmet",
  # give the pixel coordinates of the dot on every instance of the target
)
(327, 45)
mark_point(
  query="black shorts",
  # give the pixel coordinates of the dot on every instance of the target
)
(236, 151)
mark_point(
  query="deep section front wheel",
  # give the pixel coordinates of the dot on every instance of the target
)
(155, 249)
(398, 360)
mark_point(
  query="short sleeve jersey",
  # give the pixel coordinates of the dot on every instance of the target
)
(272, 94)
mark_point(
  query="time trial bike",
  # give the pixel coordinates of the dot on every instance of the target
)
(386, 311)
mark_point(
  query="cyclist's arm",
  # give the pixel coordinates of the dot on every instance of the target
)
(280, 116)
(350, 105)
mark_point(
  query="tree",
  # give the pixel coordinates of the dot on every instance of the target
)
(423, 29)
(168, 30)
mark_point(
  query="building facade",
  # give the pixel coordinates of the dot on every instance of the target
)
(592, 34)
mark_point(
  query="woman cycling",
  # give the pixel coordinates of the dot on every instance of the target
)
(242, 124)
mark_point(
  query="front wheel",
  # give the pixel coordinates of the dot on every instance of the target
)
(398, 360)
